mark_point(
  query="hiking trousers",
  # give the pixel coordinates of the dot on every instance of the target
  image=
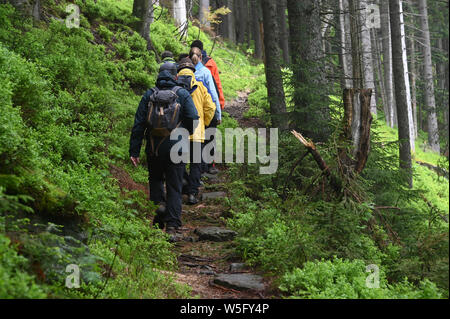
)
(162, 168)
(205, 166)
(195, 167)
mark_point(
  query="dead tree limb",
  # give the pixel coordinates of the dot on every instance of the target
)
(319, 160)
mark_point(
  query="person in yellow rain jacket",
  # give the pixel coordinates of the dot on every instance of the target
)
(206, 109)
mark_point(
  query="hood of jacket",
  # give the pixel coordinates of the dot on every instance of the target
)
(186, 79)
(165, 80)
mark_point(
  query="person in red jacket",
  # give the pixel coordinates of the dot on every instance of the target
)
(212, 66)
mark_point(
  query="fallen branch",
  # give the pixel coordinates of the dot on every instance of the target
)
(319, 160)
(439, 170)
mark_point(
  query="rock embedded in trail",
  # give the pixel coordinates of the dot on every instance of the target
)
(215, 234)
(213, 195)
(240, 281)
(237, 267)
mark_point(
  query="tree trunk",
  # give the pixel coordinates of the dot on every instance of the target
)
(376, 57)
(28, 7)
(310, 95)
(387, 63)
(345, 56)
(274, 76)
(357, 123)
(283, 38)
(242, 16)
(356, 44)
(223, 27)
(231, 26)
(203, 12)
(400, 90)
(255, 9)
(406, 78)
(412, 77)
(143, 10)
(180, 16)
(443, 87)
(430, 103)
(367, 63)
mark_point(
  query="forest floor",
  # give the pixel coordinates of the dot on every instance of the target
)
(211, 267)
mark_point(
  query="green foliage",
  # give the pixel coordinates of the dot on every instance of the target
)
(344, 279)
(67, 106)
(16, 282)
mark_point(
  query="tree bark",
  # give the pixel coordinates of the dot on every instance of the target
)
(400, 90)
(430, 103)
(367, 63)
(387, 63)
(28, 7)
(376, 57)
(283, 38)
(357, 122)
(180, 16)
(242, 14)
(230, 23)
(345, 43)
(310, 97)
(143, 10)
(443, 87)
(274, 76)
(356, 45)
(412, 77)
(255, 9)
(203, 12)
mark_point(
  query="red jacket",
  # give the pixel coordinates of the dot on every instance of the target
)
(212, 66)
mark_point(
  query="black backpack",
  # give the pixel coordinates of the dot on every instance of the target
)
(163, 114)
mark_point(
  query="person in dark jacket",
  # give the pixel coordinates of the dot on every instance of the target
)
(167, 56)
(159, 161)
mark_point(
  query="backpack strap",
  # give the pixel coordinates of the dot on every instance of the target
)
(175, 89)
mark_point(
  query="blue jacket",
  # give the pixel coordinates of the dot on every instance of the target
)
(188, 115)
(202, 74)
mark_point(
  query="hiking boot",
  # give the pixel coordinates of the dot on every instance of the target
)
(159, 218)
(174, 236)
(192, 200)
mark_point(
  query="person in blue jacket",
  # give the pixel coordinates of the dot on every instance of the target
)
(203, 74)
(159, 163)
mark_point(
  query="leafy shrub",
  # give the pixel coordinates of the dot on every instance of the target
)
(344, 279)
(16, 283)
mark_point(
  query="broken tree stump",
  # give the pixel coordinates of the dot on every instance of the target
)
(357, 122)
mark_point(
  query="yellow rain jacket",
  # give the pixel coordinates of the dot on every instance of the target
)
(206, 108)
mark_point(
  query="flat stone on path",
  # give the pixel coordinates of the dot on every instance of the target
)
(213, 195)
(237, 267)
(215, 233)
(240, 281)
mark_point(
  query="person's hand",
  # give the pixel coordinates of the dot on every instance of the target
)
(219, 122)
(135, 161)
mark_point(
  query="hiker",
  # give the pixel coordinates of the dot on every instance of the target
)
(202, 74)
(212, 67)
(167, 56)
(206, 110)
(179, 111)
